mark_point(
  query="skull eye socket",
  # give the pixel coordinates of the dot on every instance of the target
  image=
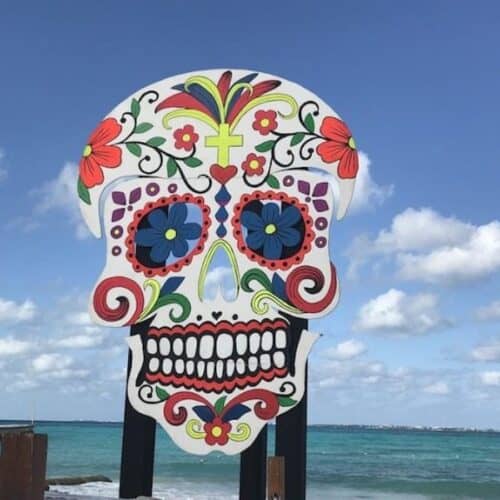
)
(273, 229)
(167, 234)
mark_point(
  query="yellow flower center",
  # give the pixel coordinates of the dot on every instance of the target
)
(351, 143)
(270, 229)
(264, 122)
(216, 431)
(170, 234)
(87, 150)
(254, 164)
(186, 137)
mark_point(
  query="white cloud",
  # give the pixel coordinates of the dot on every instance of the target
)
(10, 346)
(487, 352)
(79, 342)
(399, 313)
(491, 311)
(491, 378)
(346, 350)
(79, 318)
(221, 279)
(60, 195)
(51, 362)
(13, 312)
(438, 388)
(432, 248)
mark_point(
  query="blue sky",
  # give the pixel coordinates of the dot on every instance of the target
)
(415, 339)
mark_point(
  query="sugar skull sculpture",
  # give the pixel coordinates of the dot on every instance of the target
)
(198, 164)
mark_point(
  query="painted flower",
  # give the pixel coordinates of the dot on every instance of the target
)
(119, 198)
(254, 164)
(169, 233)
(265, 121)
(185, 137)
(320, 190)
(272, 229)
(217, 431)
(99, 153)
(340, 146)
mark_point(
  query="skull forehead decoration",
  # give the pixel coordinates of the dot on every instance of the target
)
(196, 165)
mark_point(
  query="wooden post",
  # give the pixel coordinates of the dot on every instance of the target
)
(253, 469)
(291, 432)
(138, 444)
(276, 478)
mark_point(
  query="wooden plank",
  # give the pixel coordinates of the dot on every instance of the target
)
(138, 445)
(276, 478)
(39, 467)
(253, 469)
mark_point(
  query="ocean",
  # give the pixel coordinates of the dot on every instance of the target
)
(344, 462)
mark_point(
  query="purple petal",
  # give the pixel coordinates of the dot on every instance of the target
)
(304, 187)
(117, 214)
(320, 205)
(320, 189)
(135, 195)
(119, 197)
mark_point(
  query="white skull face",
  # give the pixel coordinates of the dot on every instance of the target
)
(213, 372)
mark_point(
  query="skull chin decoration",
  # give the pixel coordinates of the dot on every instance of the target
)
(199, 164)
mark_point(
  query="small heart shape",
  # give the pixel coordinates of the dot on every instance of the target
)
(216, 315)
(223, 174)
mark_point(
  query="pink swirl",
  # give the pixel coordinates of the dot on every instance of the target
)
(107, 313)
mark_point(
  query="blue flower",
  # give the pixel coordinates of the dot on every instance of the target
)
(169, 233)
(272, 230)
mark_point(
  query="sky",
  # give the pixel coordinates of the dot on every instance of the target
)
(415, 339)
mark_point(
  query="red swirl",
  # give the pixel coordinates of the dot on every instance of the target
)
(265, 408)
(107, 313)
(177, 416)
(316, 275)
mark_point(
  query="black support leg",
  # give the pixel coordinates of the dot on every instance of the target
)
(253, 469)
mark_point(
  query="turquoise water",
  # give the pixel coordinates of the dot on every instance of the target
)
(343, 462)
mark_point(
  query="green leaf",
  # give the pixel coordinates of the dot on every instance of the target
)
(219, 405)
(135, 108)
(134, 148)
(83, 192)
(309, 122)
(286, 401)
(143, 127)
(273, 182)
(298, 137)
(193, 162)
(264, 146)
(156, 141)
(171, 167)
(162, 393)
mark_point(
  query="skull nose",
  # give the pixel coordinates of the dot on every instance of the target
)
(216, 315)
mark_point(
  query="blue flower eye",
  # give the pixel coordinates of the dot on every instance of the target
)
(167, 236)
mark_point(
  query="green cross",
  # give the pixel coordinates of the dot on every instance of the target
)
(223, 142)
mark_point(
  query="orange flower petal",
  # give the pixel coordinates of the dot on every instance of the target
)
(107, 156)
(335, 129)
(108, 130)
(348, 165)
(331, 151)
(90, 172)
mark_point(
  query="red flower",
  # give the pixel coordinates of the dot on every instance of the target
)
(254, 164)
(185, 137)
(265, 121)
(217, 432)
(339, 145)
(99, 153)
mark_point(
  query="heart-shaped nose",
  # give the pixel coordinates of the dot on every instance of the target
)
(216, 315)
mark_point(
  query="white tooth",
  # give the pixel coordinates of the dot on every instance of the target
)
(224, 345)
(190, 367)
(252, 363)
(254, 342)
(179, 366)
(265, 361)
(241, 343)
(178, 346)
(164, 346)
(240, 366)
(191, 347)
(200, 368)
(210, 369)
(220, 368)
(154, 364)
(267, 341)
(279, 359)
(280, 339)
(167, 366)
(152, 346)
(206, 346)
(230, 367)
